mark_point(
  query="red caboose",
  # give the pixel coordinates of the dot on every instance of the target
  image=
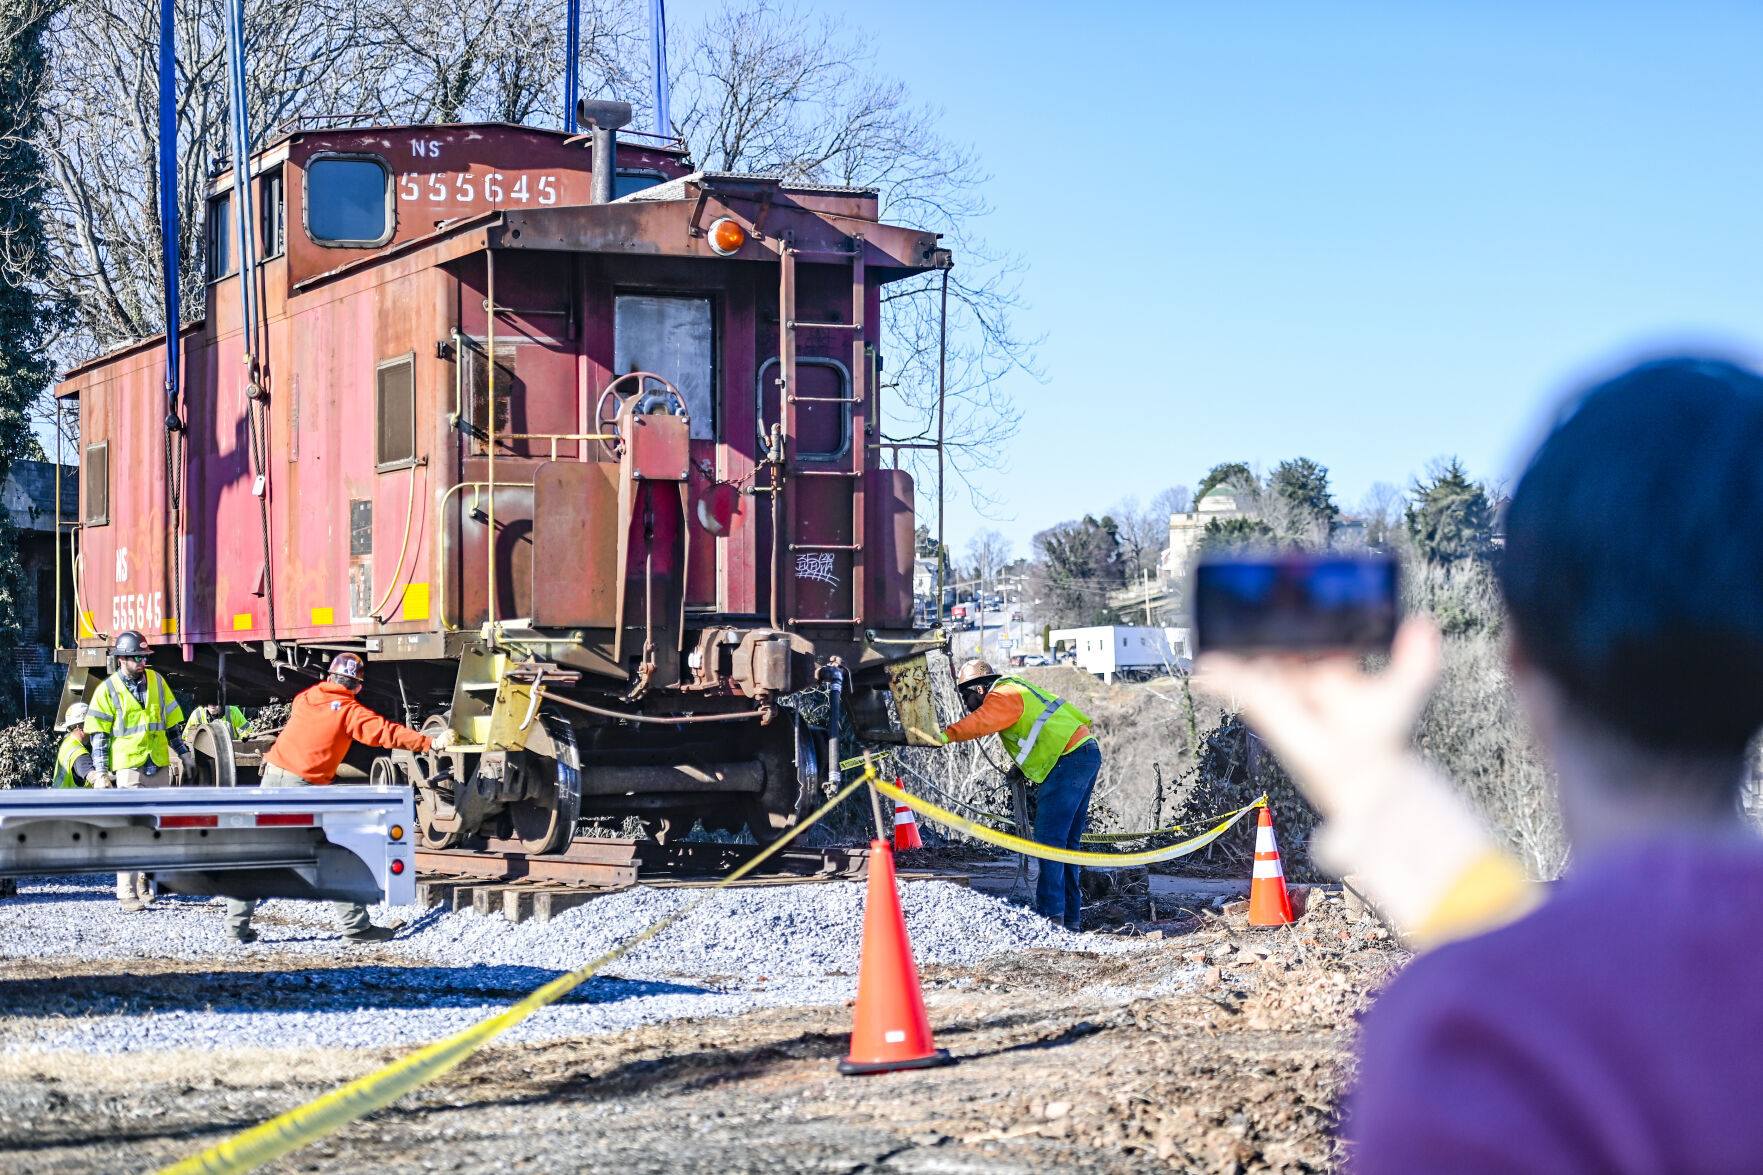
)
(595, 482)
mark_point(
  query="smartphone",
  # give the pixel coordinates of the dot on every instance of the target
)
(1297, 603)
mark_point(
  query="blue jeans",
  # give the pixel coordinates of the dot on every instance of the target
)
(1062, 813)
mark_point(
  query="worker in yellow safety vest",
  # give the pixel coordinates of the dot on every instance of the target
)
(134, 720)
(202, 715)
(1050, 742)
(73, 758)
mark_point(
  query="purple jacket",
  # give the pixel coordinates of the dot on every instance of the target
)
(1619, 1028)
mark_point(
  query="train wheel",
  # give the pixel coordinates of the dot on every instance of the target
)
(438, 825)
(428, 817)
(793, 772)
(213, 744)
(545, 821)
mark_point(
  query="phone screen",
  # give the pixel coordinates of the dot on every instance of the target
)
(1297, 603)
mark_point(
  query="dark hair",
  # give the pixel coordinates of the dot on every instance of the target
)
(1633, 566)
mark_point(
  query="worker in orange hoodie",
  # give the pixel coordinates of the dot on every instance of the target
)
(324, 721)
(1050, 741)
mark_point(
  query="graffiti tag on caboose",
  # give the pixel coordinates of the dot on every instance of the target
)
(816, 565)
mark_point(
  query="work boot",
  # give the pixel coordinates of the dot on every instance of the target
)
(371, 934)
(132, 905)
(244, 936)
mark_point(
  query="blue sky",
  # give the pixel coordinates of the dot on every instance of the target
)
(1372, 234)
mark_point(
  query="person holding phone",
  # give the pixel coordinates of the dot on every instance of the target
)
(1050, 742)
(1612, 1024)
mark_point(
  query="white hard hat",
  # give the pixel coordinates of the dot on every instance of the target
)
(76, 714)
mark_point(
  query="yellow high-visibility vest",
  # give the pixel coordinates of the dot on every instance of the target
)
(66, 756)
(137, 731)
(1037, 739)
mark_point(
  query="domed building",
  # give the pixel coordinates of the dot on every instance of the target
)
(1185, 529)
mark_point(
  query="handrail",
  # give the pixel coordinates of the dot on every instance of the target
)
(554, 437)
(490, 416)
(404, 545)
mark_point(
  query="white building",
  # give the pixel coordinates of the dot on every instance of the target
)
(1108, 649)
(1185, 530)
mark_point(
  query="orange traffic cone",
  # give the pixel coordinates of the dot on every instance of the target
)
(905, 825)
(1269, 903)
(891, 1029)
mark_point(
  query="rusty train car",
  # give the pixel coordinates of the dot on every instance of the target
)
(575, 444)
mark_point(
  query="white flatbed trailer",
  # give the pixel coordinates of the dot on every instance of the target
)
(346, 842)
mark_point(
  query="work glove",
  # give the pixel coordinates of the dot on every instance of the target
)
(101, 779)
(445, 739)
(188, 759)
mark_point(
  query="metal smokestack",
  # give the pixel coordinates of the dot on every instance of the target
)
(603, 119)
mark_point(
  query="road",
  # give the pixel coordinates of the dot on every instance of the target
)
(997, 627)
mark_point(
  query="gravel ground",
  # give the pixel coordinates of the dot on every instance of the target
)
(1201, 1046)
(741, 950)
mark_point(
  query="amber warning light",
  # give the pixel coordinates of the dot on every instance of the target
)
(727, 237)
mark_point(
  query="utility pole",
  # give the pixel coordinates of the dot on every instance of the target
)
(981, 654)
(1147, 575)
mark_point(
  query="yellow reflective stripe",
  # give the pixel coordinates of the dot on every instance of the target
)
(252, 1148)
(1017, 844)
(1048, 709)
(104, 707)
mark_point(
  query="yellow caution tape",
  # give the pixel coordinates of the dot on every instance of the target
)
(1090, 838)
(1017, 844)
(307, 1124)
(1112, 838)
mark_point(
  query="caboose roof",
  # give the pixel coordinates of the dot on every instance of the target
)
(676, 189)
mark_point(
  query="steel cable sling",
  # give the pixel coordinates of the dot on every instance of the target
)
(256, 406)
(171, 274)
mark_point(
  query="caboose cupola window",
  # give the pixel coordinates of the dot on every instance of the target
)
(348, 200)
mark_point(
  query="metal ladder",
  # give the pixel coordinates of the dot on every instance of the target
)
(788, 399)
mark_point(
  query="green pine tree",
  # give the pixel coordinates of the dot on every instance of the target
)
(1227, 473)
(25, 368)
(1451, 519)
(1303, 484)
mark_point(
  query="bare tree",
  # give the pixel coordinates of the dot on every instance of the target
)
(499, 60)
(987, 553)
(761, 87)
(1143, 533)
(766, 88)
(101, 138)
(1382, 509)
(1177, 499)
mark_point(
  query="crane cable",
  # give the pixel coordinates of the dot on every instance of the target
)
(171, 274)
(256, 407)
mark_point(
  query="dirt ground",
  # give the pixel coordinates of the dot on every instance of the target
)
(1063, 1066)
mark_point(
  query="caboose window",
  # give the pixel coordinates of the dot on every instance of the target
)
(348, 201)
(95, 480)
(220, 237)
(395, 413)
(273, 209)
(674, 338)
(626, 182)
